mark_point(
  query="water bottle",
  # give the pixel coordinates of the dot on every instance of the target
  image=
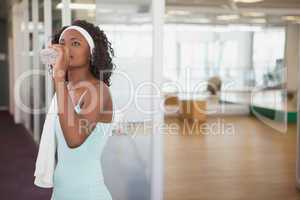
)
(48, 56)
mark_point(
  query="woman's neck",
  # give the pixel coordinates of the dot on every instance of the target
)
(77, 75)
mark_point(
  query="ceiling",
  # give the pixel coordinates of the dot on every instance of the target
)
(220, 3)
(268, 12)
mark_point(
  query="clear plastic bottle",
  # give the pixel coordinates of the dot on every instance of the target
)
(48, 56)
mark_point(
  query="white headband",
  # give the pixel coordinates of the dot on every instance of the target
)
(85, 34)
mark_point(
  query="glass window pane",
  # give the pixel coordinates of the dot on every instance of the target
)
(56, 15)
(128, 26)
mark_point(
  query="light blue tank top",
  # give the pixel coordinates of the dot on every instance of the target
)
(78, 173)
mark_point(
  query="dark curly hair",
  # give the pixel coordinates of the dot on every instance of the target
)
(101, 65)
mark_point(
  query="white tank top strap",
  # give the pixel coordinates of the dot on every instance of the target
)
(113, 111)
(80, 98)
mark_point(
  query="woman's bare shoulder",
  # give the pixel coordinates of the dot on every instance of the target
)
(101, 99)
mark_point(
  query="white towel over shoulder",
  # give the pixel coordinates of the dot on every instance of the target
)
(45, 162)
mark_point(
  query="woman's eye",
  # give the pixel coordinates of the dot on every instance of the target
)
(75, 43)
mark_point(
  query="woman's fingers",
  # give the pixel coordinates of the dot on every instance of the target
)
(58, 48)
(65, 49)
(62, 49)
(57, 45)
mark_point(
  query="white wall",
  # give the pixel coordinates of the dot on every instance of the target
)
(130, 75)
(292, 56)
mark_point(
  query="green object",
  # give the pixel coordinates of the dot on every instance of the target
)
(276, 115)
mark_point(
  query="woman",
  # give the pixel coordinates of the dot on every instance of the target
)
(81, 78)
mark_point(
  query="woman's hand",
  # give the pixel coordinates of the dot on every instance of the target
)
(62, 62)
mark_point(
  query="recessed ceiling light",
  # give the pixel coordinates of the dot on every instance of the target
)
(253, 14)
(291, 18)
(203, 20)
(259, 21)
(104, 11)
(228, 17)
(178, 12)
(199, 20)
(247, 1)
(78, 6)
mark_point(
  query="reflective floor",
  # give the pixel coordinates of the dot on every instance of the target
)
(230, 158)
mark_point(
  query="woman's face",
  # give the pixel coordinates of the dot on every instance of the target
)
(78, 48)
